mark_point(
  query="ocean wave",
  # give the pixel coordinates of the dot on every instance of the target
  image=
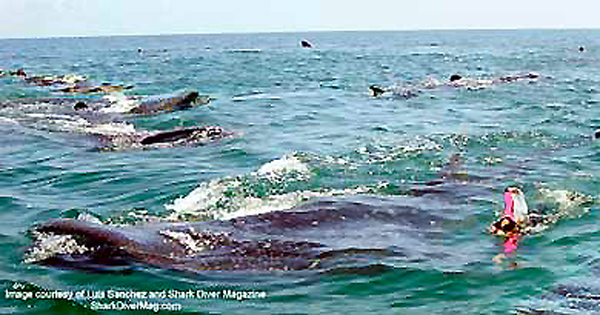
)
(120, 103)
(270, 188)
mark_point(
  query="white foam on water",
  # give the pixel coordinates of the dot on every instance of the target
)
(569, 204)
(202, 200)
(205, 201)
(259, 96)
(431, 83)
(111, 129)
(277, 169)
(48, 245)
(72, 78)
(254, 206)
(59, 122)
(8, 120)
(226, 198)
(68, 123)
(381, 153)
(119, 103)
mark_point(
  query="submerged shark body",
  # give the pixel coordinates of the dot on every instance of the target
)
(191, 136)
(107, 119)
(313, 237)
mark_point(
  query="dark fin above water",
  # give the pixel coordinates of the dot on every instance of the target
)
(80, 106)
(306, 44)
(169, 136)
(455, 77)
(182, 134)
(376, 91)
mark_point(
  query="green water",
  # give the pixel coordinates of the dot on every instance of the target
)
(282, 101)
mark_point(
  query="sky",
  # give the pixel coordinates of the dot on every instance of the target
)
(50, 18)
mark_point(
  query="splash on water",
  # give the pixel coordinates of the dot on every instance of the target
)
(259, 192)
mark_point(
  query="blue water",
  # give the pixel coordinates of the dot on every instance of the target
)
(281, 100)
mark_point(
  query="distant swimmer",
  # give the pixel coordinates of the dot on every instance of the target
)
(597, 134)
(581, 48)
(306, 44)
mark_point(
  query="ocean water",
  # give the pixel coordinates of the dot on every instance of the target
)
(419, 179)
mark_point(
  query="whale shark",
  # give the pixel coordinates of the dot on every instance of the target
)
(315, 236)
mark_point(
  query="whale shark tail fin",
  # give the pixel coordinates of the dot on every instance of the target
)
(376, 91)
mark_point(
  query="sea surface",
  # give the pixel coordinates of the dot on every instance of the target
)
(307, 135)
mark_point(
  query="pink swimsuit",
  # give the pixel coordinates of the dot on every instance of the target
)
(509, 204)
(510, 245)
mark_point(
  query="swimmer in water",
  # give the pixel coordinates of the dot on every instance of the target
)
(514, 217)
(515, 214)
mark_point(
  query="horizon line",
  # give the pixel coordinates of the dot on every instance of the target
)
(309, 31)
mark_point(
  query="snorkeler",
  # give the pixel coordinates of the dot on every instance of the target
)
(514, 217)
(515, 213)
